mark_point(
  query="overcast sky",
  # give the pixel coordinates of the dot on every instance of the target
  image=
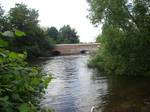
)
(61, 12)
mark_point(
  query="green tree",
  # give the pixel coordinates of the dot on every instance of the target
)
(125, 45)
(4, 23)
(35, 42)
(23, 18)
(1, 18)
(68, 35)
(53, 33)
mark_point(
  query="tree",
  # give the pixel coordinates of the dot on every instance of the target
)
(35, 42)
(4, 24)
(68, 35)
(126, 30)
(1, 18)
(23, 18)
(53, 33)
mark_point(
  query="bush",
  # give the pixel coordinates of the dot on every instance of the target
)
(21, 86)
(121, 53)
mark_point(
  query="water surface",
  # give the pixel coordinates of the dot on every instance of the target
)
(76, 88)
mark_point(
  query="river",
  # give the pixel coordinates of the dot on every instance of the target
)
(76, 88)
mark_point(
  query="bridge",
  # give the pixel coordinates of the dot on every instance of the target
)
(68, 49)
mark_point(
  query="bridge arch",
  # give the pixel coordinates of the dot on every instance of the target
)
(84, 51)
(56, 53)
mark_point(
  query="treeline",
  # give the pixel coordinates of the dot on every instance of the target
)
(37, 41)
(125, 39)
(65, 35)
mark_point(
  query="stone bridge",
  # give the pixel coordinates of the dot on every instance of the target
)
(68, 49)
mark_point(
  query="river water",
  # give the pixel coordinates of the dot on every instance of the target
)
(76, 88)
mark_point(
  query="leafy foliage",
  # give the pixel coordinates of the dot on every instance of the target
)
(125, 42)
(21, 86)
(23, 18)
(53, 33)
(68, 35)
(3, 43)
(19, 33)
(34, 41)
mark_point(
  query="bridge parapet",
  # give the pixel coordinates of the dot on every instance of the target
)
(68, 49)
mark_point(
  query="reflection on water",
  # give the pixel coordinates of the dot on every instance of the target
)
(76, 88)
(127, 94)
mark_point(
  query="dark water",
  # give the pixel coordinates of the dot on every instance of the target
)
(76, 88)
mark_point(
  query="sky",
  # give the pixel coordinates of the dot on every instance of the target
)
(61, 12)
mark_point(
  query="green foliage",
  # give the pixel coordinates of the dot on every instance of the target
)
(19, 33)
(109, 57)
(3, 43)
(53, 33)
(34, 41)
(68, 35)
(23, 18)
(125, 44)
(21, 86)
(3, 21)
